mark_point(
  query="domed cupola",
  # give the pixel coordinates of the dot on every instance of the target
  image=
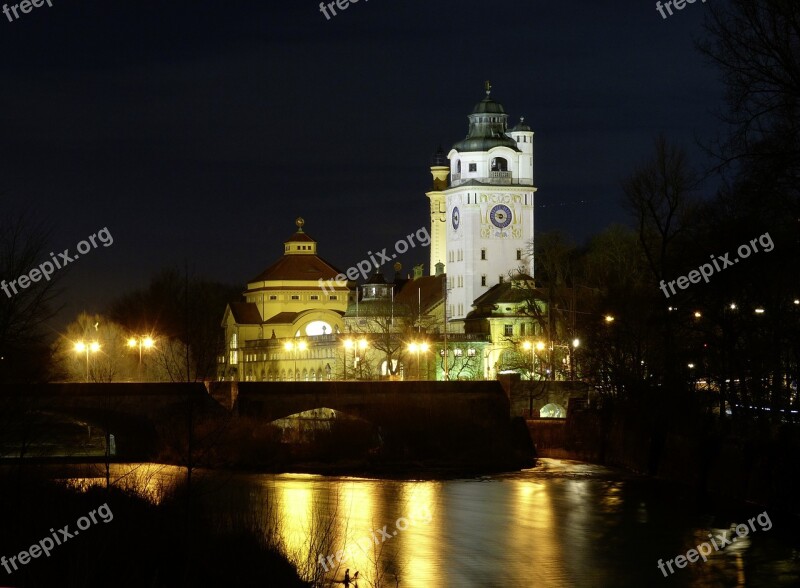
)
(487, 127)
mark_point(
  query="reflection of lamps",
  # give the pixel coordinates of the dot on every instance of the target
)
(80, 347)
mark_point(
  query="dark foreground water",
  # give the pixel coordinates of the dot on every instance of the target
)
(560, 524)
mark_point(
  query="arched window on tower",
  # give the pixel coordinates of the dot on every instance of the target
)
(499, 164)
(458, 166)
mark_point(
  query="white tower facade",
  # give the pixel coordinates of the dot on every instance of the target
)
(489, 206)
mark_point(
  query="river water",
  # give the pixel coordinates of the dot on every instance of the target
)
(561, 523)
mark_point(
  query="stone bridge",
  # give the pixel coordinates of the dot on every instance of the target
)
(391, 405)
(30, 413)
(134, 412)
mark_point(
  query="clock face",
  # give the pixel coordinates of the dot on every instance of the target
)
(456, 218)
(500, 216)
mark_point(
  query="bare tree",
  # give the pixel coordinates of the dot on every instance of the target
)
(659, 197)
(25, 313)
(756, 46)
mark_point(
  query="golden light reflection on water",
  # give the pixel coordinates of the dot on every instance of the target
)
(535, 527)
(419, 549)
(353, 507)
(294, 506)
(149, 480)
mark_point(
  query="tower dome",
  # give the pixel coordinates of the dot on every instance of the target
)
(487, 127)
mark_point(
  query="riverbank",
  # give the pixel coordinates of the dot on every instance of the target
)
(752, 464)
(102, 533)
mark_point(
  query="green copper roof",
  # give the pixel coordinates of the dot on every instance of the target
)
(487, 127)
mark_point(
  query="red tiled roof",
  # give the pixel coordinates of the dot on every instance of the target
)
(430, 292)
(300, 237)
(245, 313)
(298, 267)
(282, 318)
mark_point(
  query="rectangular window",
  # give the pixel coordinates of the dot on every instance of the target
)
(500, 280)
(483, 280)
(483, 254)
(333, 297)
(519, 253)
(508, 330)
(273, 297)
(314, 297)
(471, 352)
(522, 330)
(473, 167)
(295, 297)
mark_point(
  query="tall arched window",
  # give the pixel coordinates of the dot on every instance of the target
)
(234, 349)
(499, 164)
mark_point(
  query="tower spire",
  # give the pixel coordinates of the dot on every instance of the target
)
(488, 87)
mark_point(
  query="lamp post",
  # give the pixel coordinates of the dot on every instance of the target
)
(82, 347)
(142, 342)
(348, 344)
(295, 346)
(532, 346)
(417, 348)
(362, 347)
(575, 344)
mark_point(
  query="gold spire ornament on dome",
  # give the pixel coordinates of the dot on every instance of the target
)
(488, 88)
(299, 222)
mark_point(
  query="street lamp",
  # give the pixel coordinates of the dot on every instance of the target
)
(295, 346)
(360, 345)
(142, 342)
(348, 344)
(575, 344)
(532, 347)
(417, 348)
(81, 347)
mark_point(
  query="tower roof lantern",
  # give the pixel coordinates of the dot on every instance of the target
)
(487, 127)
(521, 125)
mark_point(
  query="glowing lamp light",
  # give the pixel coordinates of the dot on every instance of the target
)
(609, 318)
(362, 344)
(539, 346)
(576, 343)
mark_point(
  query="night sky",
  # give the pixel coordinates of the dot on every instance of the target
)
(200, 130)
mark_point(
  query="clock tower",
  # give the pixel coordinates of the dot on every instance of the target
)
(488, 204)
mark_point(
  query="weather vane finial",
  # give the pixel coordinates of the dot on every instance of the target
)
(299, 222)
(488, 88)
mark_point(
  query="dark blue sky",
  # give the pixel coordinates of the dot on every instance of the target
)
(202, 129)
